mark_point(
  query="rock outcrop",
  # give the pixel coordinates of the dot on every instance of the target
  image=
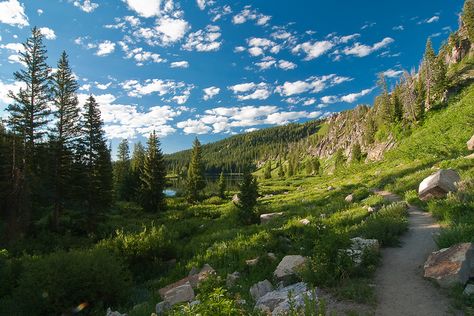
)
(450, 266)
(179, 294)
(278, 303)
(288, 268)
(438, 184)
(265, 218)
(260, 289)
(470, 143)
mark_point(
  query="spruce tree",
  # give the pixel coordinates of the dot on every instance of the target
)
(153, 178)
(316, 166)
(248, 199)
(267, 174)
(136, 168)
(428, 67)
(222, 185)
(356, 153)
(468, 18)
(29, 112)
(281, 171)
(339, 160)
(65, 133)
(122, 172)
(195, 182)
(397, 105)
(96, 160)
(308, 167)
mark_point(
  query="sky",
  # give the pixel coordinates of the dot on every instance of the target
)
(214, 68)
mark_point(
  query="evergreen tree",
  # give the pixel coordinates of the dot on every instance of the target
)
(195, 182)
(281, 170)
(136, 167)
(29, 112)
(267, 174)
(291, 169)
(122, 172)
(339, 160)
(356, 153)
(397, 105)
(440, 76)
(309, 167)
(248, 199)
(96, 160)
(153, 177)
(468, 18)
(420, 103)
(222, 185)
(383, 100)
(316, 166)
(65, 133)
(428, 67)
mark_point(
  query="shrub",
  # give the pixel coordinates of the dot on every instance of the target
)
(57, 283)
(455, 234)
(411, 197)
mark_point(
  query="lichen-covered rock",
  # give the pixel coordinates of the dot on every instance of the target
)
(265, 218)
(180, 294)
(359, 246)
(288, 267)
(438, 184)
(112, 313)
(232, 279)
(304, 221)
(470, 143)
(349, 198)
(162, 307)
(260, 289)
(450, 266)
(278, 302)
(469, 289)
(192, 279)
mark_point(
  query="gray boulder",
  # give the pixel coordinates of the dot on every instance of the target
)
(265, 218)
(470, 143)
(162, 307)
(180, 294)
(260, 289)
(438, 184)
(232, 279)
(288, 267)
(359, 246)
(469, 289)
(349, 198)
(112, 313)
(451, 266)
(278, 303)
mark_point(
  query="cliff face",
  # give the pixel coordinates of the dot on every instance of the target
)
(458, 47)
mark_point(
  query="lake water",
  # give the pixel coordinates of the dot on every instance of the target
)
(177, 186)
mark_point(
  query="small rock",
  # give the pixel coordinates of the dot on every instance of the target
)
(349, 198)
(194, 303)
(265, 218)
(359, 246)
(260, 289)
(304, 221)
(372, 209)
(278, 303)
(251, 262)
(288, 267)
(162, 307)
(438, 184)
(236, 199)
(271, 256)
(469, 289)
(331, 188)
(112, 313)
(450, 266)
(180, 294)
(286, 193)
(232, 279)
(470, 143)
(194, 271)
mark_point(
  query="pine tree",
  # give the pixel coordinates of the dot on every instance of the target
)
(308, 167)
(222, 185)
(420, 92)
(96, 161)
(468, 18)
(122, 172)
(397, 105)
(383, 101)
(136, 166)
(65, 133)
(195, 182)
(248, 199)
(153, 177)
(267, 174)
(428, 67)
(291, 168)
(316, 166)
(29, 112)
(339, 160)
(281, 170)
(356, 153)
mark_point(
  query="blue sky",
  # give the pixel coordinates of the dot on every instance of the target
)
(213, 68)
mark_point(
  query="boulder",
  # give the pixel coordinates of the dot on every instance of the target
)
(112, 313)
(265, 218)
(232, 279)
(260, 289)
(289, 267)
(193, 271)
(236, 199)
(251, 262)
(359, 245)
(469, 289)
(271, 256)
(162, 307)
(438, 184)
(278, 303)
(450, 266)
(470, 143)
(331, 188)
(193, 279)
(304, 221)
(180, 294)
(349, 198)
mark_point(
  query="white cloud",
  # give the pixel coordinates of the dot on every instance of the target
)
(398, 28)
(48, 33)
(286, 65)
(351, 98)
(147, 8)
(210, 92)
(12, 12)
(39, 11)
(85, 87)
(105, 48)
(266, 63)
(171, 30)
(179, 64)
(220, 12)
(87, 5)
(14, 47)
(194, 127)
(202, 4)
(311, 85)
(248, 14)
(392, 73)
(433, 19)
(141, 56)
(361, 50)
(251, 91)
(5, 87)
(179, 91)
(313, 49)
(102, 86)
(205, 40)
(239, 49)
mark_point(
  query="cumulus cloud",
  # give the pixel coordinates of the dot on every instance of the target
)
(179, 64)
(48, 33)
(270, 62)
(202, 4)
(12, 12)
(311, 85)
(146, 9)
(103, 86)
(205, 40)
(105, 48)
(248, 14)
(286, 65)
(210, 92)
(251, 91)
(179, 92)
(220, 12)
(313, 49)
(392, 73)
(87, 5)
(140, 55)
(351, 98)
(361, 50)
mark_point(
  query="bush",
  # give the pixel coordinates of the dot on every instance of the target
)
(412, 198)
(57, 283)
(387, 225)
(455, 234)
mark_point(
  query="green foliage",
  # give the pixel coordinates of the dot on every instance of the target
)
(316, 165)
(281, 171)
(153, 177)
(339, 160)
(267, 173)
(248, 199)
(123, 185)
(468, 18)
(222, 186)
(56, 283)
(195, 180)
(356, 153)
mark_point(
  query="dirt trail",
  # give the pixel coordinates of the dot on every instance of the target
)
(400, 287)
